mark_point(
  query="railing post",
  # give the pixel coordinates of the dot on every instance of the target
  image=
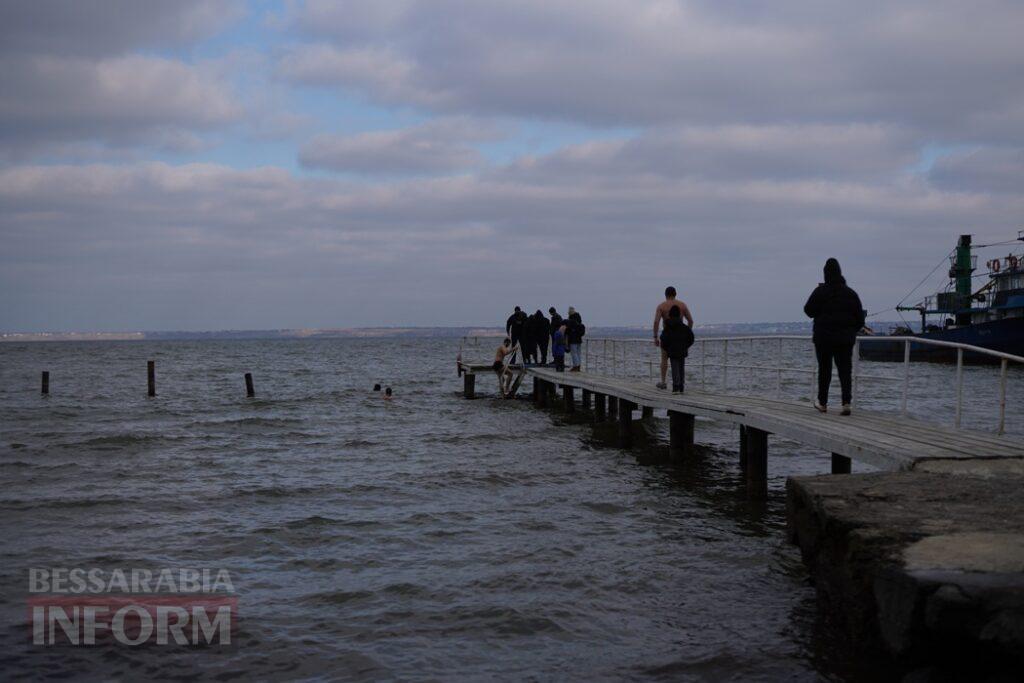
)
(778, 368)
(586, 354)
(906, 375)
(1002, 397)
(725, 366)
(856, 371)
(959, 385)
(703, 364)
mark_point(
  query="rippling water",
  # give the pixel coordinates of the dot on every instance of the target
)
(425, 538)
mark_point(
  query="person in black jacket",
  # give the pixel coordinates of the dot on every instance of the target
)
(575, 329)
(542, 333)
(676, 340)
(838, 317)
(556, 323)
(515, 326)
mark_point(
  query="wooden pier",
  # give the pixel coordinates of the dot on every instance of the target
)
(885, 441)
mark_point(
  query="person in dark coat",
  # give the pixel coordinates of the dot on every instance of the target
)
(556, 322)
(542, 333)
(676, 340)
(574, 337)
(838, 317)
(515, 326)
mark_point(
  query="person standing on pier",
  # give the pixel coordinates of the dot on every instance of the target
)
(558, 348)
(676, 340)
(661, 314)
(838, 316)
(556, 322)
(575, 329)
(515, 326)
(542, 332)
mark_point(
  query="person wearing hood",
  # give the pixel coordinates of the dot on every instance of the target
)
(575, 329)
(542, 333)
(515, 326)
(838, 317)
(676, 340)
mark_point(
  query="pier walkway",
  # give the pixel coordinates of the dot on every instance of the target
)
(885, 441)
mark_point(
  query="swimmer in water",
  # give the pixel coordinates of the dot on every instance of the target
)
(387, 394)
(376, 387)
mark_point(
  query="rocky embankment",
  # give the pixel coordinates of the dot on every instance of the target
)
(924, 568)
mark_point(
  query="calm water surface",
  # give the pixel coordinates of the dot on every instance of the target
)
(429, 538)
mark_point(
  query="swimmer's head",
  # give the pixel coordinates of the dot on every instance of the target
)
(376, 387)
(387, 392)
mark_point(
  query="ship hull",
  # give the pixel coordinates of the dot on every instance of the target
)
(1005, 335)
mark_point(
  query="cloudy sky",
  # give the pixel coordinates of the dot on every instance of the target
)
(216, 165)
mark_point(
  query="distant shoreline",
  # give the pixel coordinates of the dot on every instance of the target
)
(392, 332)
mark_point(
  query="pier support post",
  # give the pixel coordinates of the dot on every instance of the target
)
(680, 434)
(757, 463)
(613, 408)
(585, 397)
(840, 464)
(743, 449)
(600, 408)
(626, 423)
(469, 385)
(647, 413)
(151, 376)
(45, 388)
(567, 398)
(250, 391)
(536, 391)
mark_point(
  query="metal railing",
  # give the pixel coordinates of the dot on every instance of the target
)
(612, 356)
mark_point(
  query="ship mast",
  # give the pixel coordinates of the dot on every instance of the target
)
(961, 271)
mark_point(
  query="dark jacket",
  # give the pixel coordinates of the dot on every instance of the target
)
(541, 328)
(556, 322)
(574, 329)
(676, 338)
(515, 324)
(836, 309)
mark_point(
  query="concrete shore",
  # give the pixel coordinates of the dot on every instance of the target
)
(923, 569)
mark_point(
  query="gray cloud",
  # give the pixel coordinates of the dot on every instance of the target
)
(438, 146)
(118, 99)
(981, 170)
(108, 27)
(945, 68)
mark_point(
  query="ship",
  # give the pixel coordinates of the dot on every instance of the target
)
(990, 316)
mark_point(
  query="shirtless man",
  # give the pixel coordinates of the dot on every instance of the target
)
(499, 355)
(660, 315)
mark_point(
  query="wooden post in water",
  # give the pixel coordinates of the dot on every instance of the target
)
(743, 449)
(840, 464)
(626, 423)
(567, 398)
(45, 388)
(151, 376)
(757, 463)
(600, 408)
(647, 412)
(250, 390)
(680, 435)
(469, 385)
(536, 391)
(613, 408)
(585, 397)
